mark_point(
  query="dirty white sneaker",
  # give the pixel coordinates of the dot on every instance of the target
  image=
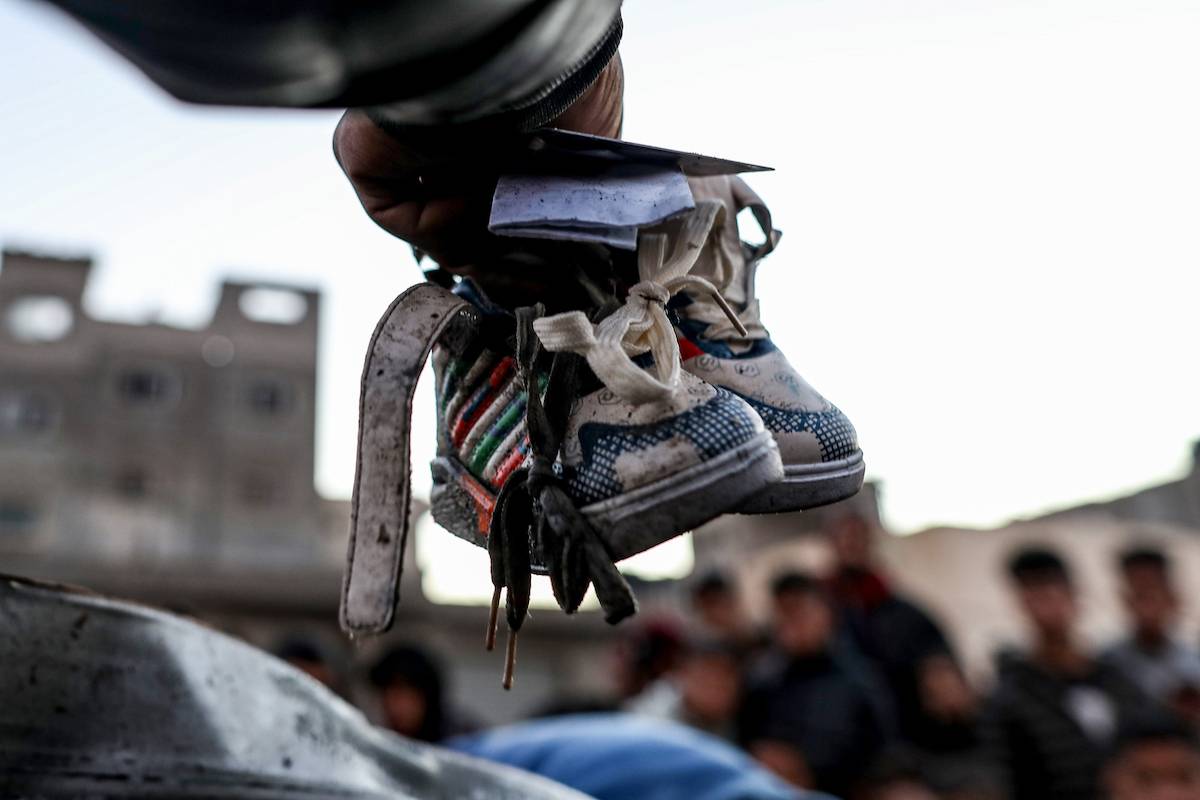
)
(821, 459)
(565, 443)
(649, 451)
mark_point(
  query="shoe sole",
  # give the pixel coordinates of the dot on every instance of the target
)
(636, 520)
(806, 486)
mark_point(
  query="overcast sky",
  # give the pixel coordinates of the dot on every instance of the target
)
(990, 214)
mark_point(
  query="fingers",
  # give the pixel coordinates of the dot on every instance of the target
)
(434, 189)
(368, 155)
(413, 194)
(381, 172)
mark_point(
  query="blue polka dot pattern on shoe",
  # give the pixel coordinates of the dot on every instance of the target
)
(715, 427)
(834, 432)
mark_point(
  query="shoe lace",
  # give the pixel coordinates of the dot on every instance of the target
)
(722, 328)
(534, 506)
(641, 325)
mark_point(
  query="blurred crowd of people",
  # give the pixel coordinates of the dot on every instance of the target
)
(853, 689)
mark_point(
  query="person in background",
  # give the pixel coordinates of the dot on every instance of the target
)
(1157, 758)
(703, 692)
(647, 653)
(412, 695)
(897, 787)
(1165, 669)
(310, 658)
(718, 609)
(895, 634)
(951, 755)
(811, 714)
(1056, 710)
(896, 776)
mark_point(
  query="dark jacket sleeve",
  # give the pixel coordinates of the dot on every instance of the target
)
(924, 636)
(752, 713)
(1016, 770)
(416, 62)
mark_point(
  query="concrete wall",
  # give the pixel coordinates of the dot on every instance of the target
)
(148, 442)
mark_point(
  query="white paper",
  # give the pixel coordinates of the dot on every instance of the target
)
(607, 207)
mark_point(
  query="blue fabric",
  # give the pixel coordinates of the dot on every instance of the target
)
(613, 756)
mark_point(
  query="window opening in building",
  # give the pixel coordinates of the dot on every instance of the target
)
(16, 517)
(269, 397)
(274, 306)
(24, 412)
(144, 385)
(39, 318)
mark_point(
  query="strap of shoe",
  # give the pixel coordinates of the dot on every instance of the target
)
(641, 325)
(744, 197)
(379, 516)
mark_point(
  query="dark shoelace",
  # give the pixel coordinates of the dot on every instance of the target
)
(534, 506)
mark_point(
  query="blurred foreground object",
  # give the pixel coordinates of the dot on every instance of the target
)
(106, 698)
(622, 756)
(419, 63)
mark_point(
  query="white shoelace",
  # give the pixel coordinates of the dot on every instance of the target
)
(641, 325)
(723, 328)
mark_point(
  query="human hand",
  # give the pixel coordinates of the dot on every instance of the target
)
(436, 195)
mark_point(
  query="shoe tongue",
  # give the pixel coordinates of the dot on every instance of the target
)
(723, 260)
